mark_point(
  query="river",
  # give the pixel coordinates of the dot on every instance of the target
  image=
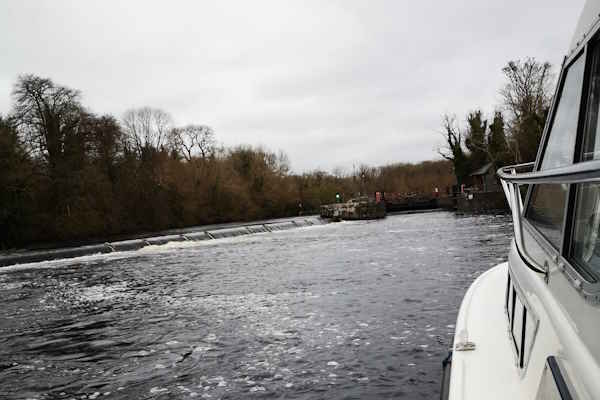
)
(340, 311)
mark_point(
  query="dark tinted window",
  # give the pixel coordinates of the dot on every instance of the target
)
(585, 245)
(547, 203)
(591, 143)
(561, 142)
(546, 210)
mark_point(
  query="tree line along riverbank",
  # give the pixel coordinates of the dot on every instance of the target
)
(69, 174)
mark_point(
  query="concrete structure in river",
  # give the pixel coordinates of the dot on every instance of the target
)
(360, 208)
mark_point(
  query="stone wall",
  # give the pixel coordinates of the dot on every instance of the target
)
(481, 202)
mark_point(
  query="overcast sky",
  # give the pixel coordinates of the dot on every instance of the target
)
(331, 83)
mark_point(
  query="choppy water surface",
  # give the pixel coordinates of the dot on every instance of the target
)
(342, 311)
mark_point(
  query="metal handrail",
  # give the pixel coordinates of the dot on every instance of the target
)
(588, 171)
(510, 180)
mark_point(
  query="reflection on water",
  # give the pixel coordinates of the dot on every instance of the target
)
(342, 311)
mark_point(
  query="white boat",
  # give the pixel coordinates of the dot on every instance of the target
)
(530, 328)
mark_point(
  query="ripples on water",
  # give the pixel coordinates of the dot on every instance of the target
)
(342, 311)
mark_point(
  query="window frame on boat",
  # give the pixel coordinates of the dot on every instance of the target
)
(578, 275)
(545, 243)
(526, 329)
(586, 272)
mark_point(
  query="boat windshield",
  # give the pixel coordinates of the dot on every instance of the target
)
(547, 205)
(561, 142)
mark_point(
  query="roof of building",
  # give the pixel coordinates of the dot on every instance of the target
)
(483, 170)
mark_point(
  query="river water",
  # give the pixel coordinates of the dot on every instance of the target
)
(340, 311)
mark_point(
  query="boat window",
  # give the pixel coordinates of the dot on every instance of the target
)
(546, 210)
(591, 142)
(553, 385)
(517, 327)
(584, 249)
(561, 142)
(547, 202)
(530, 328)
(585, 243)
(521, 322)
(507, 298)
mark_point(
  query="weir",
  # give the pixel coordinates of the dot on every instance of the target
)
(281, 226)
(197, 234)
(229, 232)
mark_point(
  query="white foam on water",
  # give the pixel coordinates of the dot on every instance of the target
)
(166, 247)
(419, 249)
(12, 285)
(63, 262)
(151, 249)
(202, 349)
(103, 292)
(211, 337)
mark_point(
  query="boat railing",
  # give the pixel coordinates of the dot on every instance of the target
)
(513, 176)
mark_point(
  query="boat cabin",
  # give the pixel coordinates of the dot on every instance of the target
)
(529, 328)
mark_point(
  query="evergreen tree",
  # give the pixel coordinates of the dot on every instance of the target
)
(453, 150)
(17, 183)
(475, 140)
(496, 142)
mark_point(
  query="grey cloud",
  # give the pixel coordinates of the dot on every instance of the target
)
(332, 83)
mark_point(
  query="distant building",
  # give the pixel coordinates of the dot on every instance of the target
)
(483, 179)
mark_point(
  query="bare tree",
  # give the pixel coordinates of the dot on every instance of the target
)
(194, 139)
(47, 116)
(526, 96)
(147, 128)
(339, 172)
(453, 150)
(529, 87)
(283, 163)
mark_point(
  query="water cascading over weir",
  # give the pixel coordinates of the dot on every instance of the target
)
(191, 234)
